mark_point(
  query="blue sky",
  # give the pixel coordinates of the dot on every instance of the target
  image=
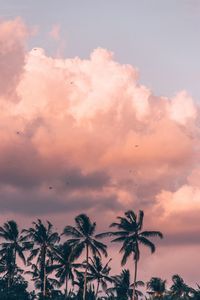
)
(160, 38)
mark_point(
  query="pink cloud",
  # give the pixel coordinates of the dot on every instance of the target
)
(92, 131)
(12, 45)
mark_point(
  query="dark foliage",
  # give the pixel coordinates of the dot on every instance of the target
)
(57, 273)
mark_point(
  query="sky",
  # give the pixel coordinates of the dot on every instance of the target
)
(100, 114)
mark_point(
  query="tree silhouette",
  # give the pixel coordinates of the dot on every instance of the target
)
(131, 236)
(99, 272)
(64, 264)
(157, 287)
(179, 289)
(37, 278)
(11, 246)
(43, 241)
(123, 287)
(83, 237)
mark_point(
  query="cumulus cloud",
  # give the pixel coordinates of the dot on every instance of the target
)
(182, 108)
(90, 130)
(185, 199)
(12, 56)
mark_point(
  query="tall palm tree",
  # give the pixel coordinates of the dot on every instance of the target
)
(157, 287)
(64, 264)
(83, 237)
(99, 272)
(123, 286)
(43, 239)
(131, 236)
(11, 247)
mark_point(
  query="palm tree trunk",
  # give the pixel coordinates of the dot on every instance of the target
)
(43, 266)
(135, 279)
(9, 280)
(97, 289)
(12, 270)
(85, 275)
(14, 264)
(66, 287)
(44, 283)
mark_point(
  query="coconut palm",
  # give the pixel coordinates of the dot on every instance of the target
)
(43, 239)
(64, 264)
(37, 278)
(157, 287)
(83, 237)
(123, 287)
(99, 272)
(11, 247)
(131, 236)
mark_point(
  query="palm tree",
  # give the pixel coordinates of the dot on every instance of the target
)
(37, 277)
(11, 247)
(157, 287)
(179, 289)
(123, 287)
(8, 268)
(43, 239)
(83, 237)
(131, 235)
(64, 264)
(98, 271)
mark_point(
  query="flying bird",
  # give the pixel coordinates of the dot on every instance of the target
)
(50, 187)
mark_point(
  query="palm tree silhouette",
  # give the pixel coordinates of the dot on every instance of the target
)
(9, 270)
(157, 287)
(64, 264)
(83, 237)
(123, 287)
(131, 235)
(43, 241)
(11, 246)
(99, 272)
(179, 289)
(37, 278)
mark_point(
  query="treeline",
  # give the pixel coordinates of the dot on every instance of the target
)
(52, 261)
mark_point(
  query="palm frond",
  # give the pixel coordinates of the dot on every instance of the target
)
(147, 243)
(152, 234)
